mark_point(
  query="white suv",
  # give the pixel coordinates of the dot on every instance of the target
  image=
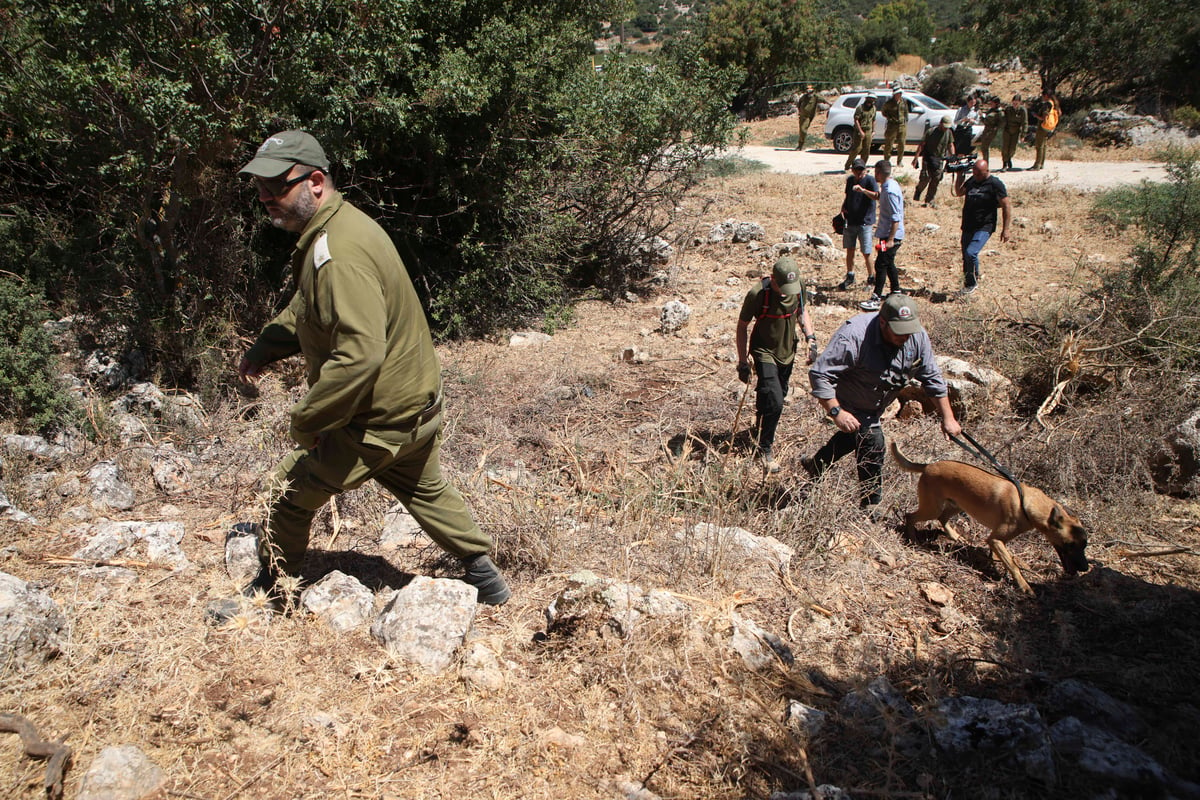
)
(923, 111)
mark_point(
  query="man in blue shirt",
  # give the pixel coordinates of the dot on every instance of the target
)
(862, 369)
(889, 234)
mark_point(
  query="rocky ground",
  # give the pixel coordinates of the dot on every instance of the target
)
(682, 625)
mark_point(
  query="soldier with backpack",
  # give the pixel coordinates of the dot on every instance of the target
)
(775, 306)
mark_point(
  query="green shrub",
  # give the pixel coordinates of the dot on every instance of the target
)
(950, 83)
(30, 390)
(1188, 117)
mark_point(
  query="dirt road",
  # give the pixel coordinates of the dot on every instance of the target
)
(1086, 175)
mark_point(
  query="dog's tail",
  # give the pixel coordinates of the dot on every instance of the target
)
(905, 464)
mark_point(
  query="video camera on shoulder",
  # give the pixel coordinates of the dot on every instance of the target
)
(960, 163)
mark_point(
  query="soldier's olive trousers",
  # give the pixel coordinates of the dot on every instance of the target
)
(804, 122)
(1039, 148)
(861, 148)
(406, 465)
(1009, 147)
(893, 138)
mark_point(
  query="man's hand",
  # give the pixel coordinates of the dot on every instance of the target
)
(743, 372)
(846, 422)
(248, 371)
(1004, 235)
(950, 427)
(915, 162)
(813, 351)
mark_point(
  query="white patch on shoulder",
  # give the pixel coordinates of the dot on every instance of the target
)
(321, 254)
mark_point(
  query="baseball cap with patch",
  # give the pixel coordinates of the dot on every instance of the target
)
(899, 311)
(282, 151)
(787, 276)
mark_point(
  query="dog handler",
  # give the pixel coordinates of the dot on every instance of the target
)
(774, 305)
(373, 405)
(865, 365)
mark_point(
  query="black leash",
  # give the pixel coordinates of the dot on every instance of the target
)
(981, 452)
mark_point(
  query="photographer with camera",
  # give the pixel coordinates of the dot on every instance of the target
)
(982, 194)
(937, 145)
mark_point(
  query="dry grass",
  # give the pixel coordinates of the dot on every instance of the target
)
(575, 459)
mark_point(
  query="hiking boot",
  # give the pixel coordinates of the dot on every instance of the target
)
(769, 464)
(481, 573)
(872, 303)
(846, 283)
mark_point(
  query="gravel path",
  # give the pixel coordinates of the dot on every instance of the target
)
(1084, 175)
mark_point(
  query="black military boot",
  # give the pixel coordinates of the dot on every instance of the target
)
(481, 573)
(266, 582)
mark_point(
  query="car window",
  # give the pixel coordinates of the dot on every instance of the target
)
(929, 102)
(852, 102)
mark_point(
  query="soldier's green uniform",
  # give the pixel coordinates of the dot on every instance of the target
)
(806, 109)
(993, 118)
(1016, 118)
(934, 149)
(895, 113)
(373, 406)
(864, 118)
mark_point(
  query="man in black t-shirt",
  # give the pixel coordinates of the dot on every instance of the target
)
(859, 210)
(982, 194)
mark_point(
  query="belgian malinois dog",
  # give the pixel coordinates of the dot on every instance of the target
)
(947, 487)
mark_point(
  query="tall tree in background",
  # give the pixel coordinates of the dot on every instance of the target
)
(1098, 47)
(772, 42)
(901, 26)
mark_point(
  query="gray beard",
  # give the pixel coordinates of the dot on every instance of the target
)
(298, 216)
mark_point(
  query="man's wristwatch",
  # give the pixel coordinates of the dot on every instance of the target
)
(833, 412)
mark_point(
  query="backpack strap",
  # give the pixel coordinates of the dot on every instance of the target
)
(766, 296)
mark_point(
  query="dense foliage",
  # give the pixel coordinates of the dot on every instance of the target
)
(900, 26)
(1094, 45)
(478, 132)
(773, 44)
(30, 390)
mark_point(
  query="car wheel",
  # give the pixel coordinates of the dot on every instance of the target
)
(843, 139)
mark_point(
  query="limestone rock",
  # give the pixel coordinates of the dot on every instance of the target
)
(971, 724)
(621, 606)
(121, 773)
(718, 539)
(425, 622)
(241, 551)
(109, 488)
(340, 600)
(31, 625)
(1175, 463)
(674, 316)
(158, 542)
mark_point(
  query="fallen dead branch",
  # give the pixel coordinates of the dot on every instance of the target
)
(36, 747)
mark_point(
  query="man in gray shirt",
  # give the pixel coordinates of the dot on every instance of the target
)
(864, 366)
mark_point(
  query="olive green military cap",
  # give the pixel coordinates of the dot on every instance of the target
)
(282, 151)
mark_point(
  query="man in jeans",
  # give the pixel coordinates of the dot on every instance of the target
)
(865, 365)
(982, 194)
(858, 208)
(889, 234)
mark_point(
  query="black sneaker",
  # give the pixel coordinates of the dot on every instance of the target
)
(487, 580)
(810, 466)
(846, 283)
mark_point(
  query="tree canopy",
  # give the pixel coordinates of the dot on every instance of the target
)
(481, 133)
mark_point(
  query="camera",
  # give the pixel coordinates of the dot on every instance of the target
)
(960, 163)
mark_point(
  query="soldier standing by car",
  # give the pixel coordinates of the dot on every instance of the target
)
(864, 131)
(895, 113)
(937, 145)
(1015, 120)
(806, 109)
(993, 118)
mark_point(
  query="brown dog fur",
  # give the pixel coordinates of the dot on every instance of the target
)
(947, 487)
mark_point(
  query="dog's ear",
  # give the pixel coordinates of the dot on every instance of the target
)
(1055, 516)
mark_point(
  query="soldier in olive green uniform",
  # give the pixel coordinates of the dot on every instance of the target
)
(864, 130)
(806, 109)
(1015, 120)
(373, 405)
(895, 112)
(1046, 120)
(932, 152)
(773, 306)
(993, 118)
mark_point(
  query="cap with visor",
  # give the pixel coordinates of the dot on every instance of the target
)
(899, 311)
(284, 150)
(787, 276)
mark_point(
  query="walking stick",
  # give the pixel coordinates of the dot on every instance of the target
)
(736, 418)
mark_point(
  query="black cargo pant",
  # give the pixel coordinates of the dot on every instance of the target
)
(867, 444)
(770, 390)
